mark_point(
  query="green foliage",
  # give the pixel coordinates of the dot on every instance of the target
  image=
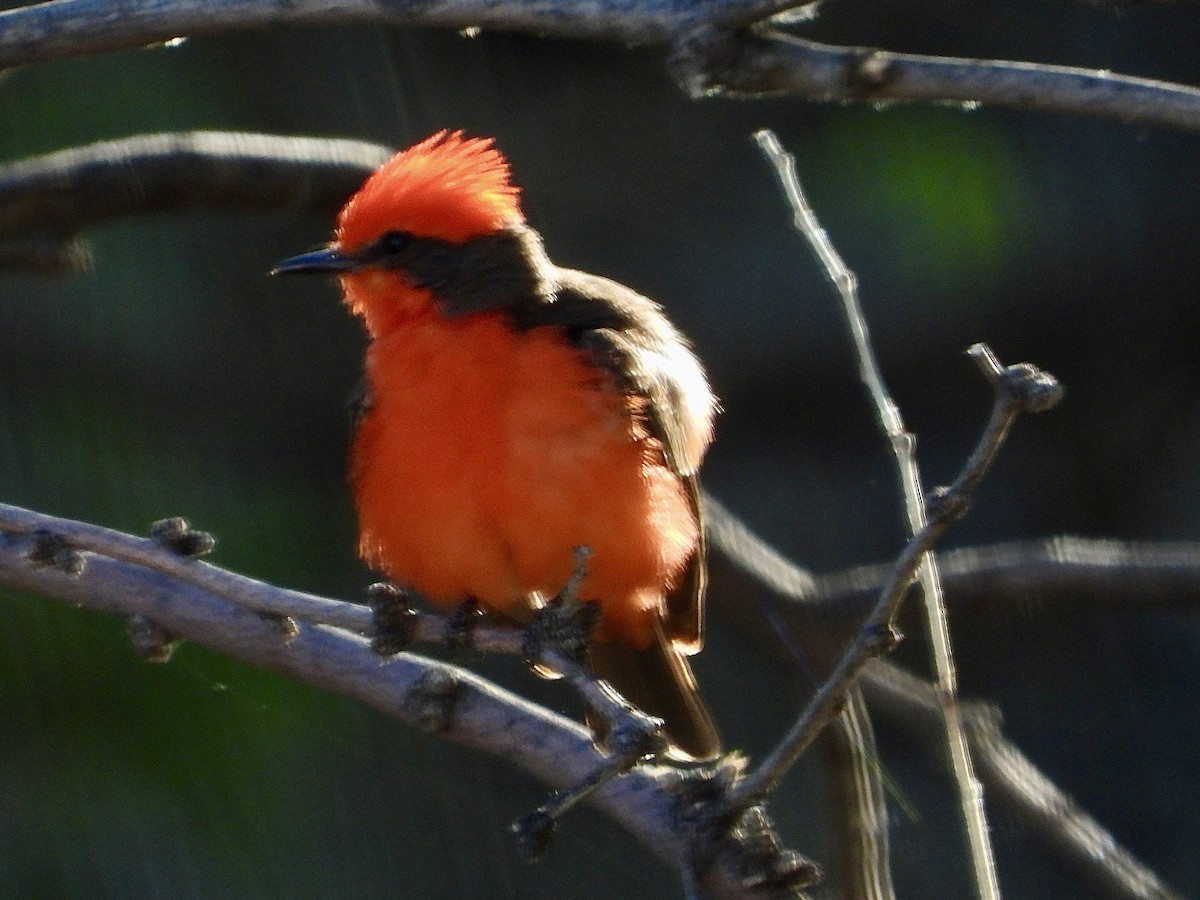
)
(938, 189)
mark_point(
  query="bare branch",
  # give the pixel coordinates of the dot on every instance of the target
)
(278, 603)
(861, 813)
(903, 446)
(252, 595)
(1019, 389)
(715, 49)
(1059, 574)
(759, 63)
(549, 746)
(79, 27)
(912, 703)
(47, 200)
(168, 597)
(342, 662)
(1015, 784)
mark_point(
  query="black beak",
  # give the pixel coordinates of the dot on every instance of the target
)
(327, 260)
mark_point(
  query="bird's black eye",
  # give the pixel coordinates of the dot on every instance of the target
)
(393, 242)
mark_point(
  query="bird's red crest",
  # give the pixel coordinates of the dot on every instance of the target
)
(448, 187)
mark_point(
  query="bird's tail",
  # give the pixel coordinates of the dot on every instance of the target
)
(659, 681)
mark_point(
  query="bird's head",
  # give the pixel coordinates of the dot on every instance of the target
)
(447, 191)
(448, 187)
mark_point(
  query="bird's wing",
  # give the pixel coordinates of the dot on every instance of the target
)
(628, 336)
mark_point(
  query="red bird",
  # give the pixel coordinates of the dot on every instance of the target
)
(515, 411)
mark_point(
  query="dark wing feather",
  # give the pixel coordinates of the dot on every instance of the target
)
(628, 336)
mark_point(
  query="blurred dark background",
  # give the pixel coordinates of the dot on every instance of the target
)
(175, 378)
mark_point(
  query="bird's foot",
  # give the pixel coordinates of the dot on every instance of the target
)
(563, 626)
(460, 628)
(394, 617)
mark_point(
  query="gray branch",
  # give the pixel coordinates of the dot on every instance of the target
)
(760, 63)
(46, 201)
(717, 48)
(196, 606)
(66, 28)
(1014, 783)
(792, 607)
(1061, 574)
(174, 597)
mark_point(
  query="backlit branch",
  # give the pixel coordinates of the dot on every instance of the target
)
(764, 63)
(1061, 574)
(46, 201)
(718, 46)
(553, 748)
(1014, 784)
(1020, 388)
(787, 598)
(66, 28)
(111, 572)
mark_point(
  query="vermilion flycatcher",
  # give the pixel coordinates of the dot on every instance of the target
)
(515, 411)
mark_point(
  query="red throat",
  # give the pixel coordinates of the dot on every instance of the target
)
(385, 300)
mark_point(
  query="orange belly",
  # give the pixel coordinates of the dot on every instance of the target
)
(489, 454)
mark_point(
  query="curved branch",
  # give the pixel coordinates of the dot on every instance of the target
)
(64, 28)
(715, 50)
(173, 597)
(547, 745)
(47, 200)
(757, 63)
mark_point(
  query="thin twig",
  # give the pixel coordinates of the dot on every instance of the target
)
(752, 572)
(1022, 389)
(1061, 574)
(856, 779)
(903, 446)
(1015, 784)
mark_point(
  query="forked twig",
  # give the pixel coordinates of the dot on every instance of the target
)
(878, 632)
(904, 448)
(185, 598)
(1020, 388)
